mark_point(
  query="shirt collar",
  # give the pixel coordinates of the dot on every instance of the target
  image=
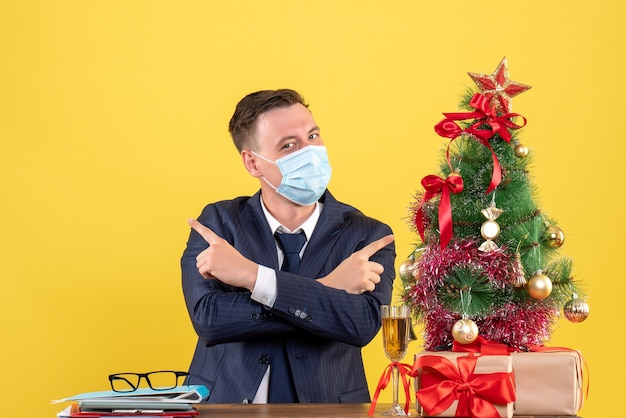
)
(307, 226)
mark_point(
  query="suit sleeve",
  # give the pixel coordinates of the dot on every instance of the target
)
(221, 313)
(331, 313)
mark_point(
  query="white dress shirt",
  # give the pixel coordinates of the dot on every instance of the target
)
(265, 287)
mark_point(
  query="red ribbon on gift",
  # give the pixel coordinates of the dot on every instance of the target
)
(403, 373)
(476, 393)
(488, 125)
(433, 186)
(483, 346)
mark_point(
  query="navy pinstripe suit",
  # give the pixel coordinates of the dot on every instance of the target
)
(323, 328)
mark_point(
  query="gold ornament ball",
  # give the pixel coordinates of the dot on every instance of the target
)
(521, 150)
(576, 310)
(455, 173)
(405, 270)
(490, 230)
(554, 236)
(539, 286)
(465, 331)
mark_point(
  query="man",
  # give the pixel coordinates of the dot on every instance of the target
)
(277, 324)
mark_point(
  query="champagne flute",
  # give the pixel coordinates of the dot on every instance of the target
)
(396, 329)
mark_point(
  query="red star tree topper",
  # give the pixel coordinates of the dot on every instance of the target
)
(498, 88)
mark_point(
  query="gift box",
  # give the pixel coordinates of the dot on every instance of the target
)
(548, 383)
(450, 384)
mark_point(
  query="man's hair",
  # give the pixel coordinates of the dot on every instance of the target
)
(242, 125)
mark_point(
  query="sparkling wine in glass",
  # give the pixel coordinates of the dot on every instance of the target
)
(396, 330)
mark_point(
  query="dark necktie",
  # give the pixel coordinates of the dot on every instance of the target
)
(281, 389)
(291, 244)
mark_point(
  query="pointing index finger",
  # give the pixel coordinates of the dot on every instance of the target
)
(373, 247)
(205, 232)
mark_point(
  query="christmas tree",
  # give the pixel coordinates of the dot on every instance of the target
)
(488, 261)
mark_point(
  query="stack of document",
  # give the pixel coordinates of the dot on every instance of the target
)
(172, 403)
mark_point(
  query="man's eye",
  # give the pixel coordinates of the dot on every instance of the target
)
(314, 136)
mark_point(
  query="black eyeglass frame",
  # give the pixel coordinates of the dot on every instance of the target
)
(146, 377)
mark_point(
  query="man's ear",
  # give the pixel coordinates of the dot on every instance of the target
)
(251, 162)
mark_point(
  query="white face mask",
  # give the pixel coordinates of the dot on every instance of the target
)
(306, 174)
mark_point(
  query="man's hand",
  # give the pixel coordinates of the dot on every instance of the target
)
(357, 274)
(222, 261)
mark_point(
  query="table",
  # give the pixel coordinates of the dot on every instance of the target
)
(309, 410)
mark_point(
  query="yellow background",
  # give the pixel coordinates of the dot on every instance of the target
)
(113, 119)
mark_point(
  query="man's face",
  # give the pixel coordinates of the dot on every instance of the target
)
(281, 131)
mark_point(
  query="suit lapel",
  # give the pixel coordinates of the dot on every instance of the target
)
(327, 231)
(257, 230)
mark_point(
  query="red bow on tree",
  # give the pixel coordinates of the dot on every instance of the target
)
(487, 125)
(433, 186)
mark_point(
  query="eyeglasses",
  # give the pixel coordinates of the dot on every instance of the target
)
(159, 380)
